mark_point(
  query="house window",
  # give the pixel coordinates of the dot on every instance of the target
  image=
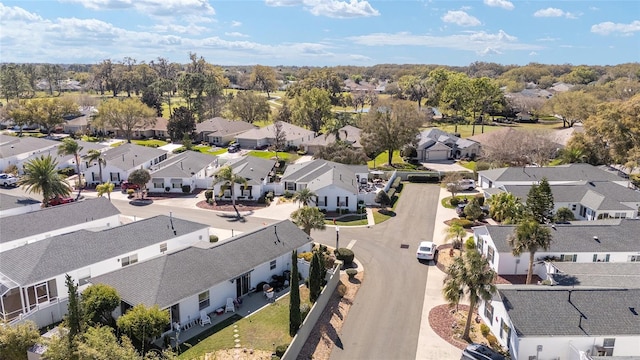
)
(163, 157)
(84, 276)
(227, 193)
(246, 191)
(115, 177)
(490, 254)
(337, 200)
(488, 312)
(607, 347)
(634, 258)
(158, 185)
(128, 260)
(203, 300)
(568, 257)
(176, 185)
(163, 247)
(573, 207)
(596, 258)
(346, 201)
(272, 265)
(94, 177)
(479, 244)
(290, 186)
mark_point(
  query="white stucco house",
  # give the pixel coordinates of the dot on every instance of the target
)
(437, 145)
(259, 174)
(18, 150)
(26, 228)
(614, 240)
(336, 185)
(190, 168)
(32, 276)
(15, 205)
(203, 277)
(572, 323)
(121, 161)
(265, 136)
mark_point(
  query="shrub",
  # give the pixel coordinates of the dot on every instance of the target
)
(68, 171)
(130, 192)
(269, 196)
(396, 183)
(167, 189)
(345, 255)
(470, 244)
(454, 201)
(186, 189)
(208, 194)
(484, 329)
(281, 349)
(306, 256)
(213, 238)
(480, 199)
(351, 273)
(391, 192)
(423, 178)
(467, 224)
(493, 342)
(210, 201)
(180, 150)
(261, 200)
(288, 194)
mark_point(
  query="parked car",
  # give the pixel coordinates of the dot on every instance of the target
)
(480, 352)
(8, 180)
(233, 148)
(125, 185)
(464, 184)
(426, 251)
(60, 200)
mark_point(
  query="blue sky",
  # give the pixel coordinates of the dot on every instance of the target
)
(322, 32)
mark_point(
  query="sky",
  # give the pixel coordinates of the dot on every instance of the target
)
(322, 32)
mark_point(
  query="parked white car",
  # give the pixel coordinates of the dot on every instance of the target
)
(464, 184)
(426, 251)
(8, 180)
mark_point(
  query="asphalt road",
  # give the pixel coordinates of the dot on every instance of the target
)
(384, 321)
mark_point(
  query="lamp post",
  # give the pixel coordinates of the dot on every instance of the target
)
(337, 237)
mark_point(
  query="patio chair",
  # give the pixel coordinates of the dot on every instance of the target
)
(230, 306)
(204, 318)
(270, 296)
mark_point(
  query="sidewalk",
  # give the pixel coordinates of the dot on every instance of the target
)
(430, 345)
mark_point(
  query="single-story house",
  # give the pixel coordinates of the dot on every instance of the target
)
(437, 145)
(551, 322)
(202, 278)
(555, 175)
(598, 274)
(587, 200)
(18, 150)
(155, 130)
(32, 277)
(260, 137)
(352, 86)
(258, 172)
(27, 228)
(15, 205)
(190, 168)
(350, 134)
(219, 131)
(121, 161)
(613, 240)
(335, 185)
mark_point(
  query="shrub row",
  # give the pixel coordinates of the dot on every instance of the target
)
(423, 178)
(467, 224)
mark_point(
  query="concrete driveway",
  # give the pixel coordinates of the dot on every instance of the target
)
(448, 165)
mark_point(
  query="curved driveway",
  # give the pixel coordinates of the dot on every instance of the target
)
(384, 321)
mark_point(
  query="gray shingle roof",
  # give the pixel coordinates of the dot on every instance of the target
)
(348, 133)
(252, 168)
(129, 156)
(8, 202)
(57, 255)
(291, 131)
(578, 237)
(318, 174)
(600, 274)
(168, 279)
(221, 127)
(183, 165)
(547, 311)
(55, 217)
(13, 145)
(564, 173)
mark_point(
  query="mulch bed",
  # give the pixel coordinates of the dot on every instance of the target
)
(228, 206)
(442, 322)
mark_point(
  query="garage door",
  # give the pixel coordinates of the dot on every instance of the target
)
(247, 143)
(437, 155)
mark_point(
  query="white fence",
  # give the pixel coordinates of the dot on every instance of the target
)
(44, 314)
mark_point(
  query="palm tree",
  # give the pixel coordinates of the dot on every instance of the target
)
(304, 196)
(529, 236)
(96, 156)
(505, 208)
(40, 176)
(308, 218)
(228, 179)
(471, 275)
(71, 147)
(105, 188)
(456, 232)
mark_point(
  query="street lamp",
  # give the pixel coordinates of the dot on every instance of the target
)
(337, 237)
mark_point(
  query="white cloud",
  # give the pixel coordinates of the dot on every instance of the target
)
(508, 5)
(16, 13)
(180, 29)
(162, 8)
(236, 34)
(359, 58)
(331, 8)
(548, 39)
(533, 53)
(489, 51)
(554, 12)
(460, 18)
(235, 23)
(606, 28)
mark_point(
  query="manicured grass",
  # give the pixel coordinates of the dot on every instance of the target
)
(446, 202)
(209, 150)
(379, 217)
(260, 331)
(116, 144)
(471, 165)
(262, 123)
(466, 130)
(383, 159)
(272, 154)
(150, 142)
(355, 222)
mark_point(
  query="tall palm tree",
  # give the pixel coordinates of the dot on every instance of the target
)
(304, 196)
(308, 218)
(228, 179)
(96, 156)
(529, 236)
(71, 147)
(455, 232)
(40, 176)
(471, 275)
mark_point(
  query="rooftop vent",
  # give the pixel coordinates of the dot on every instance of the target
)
(596, 239)
(633, 311)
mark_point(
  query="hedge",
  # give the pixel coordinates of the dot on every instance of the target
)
(423, 178)
(391, 192)
(467, 224)
(345, 255)
(396, 183)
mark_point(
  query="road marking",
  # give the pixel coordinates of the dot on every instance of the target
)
(351, 243)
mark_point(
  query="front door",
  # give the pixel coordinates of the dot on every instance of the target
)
(243, 284)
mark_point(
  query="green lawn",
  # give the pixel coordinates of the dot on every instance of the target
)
(355, 222)
(383, 159)
(446, 202)
(209, 150)
(466, 130)
(272, 154)
(260, 331)
(390, 212)
(150, 142)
